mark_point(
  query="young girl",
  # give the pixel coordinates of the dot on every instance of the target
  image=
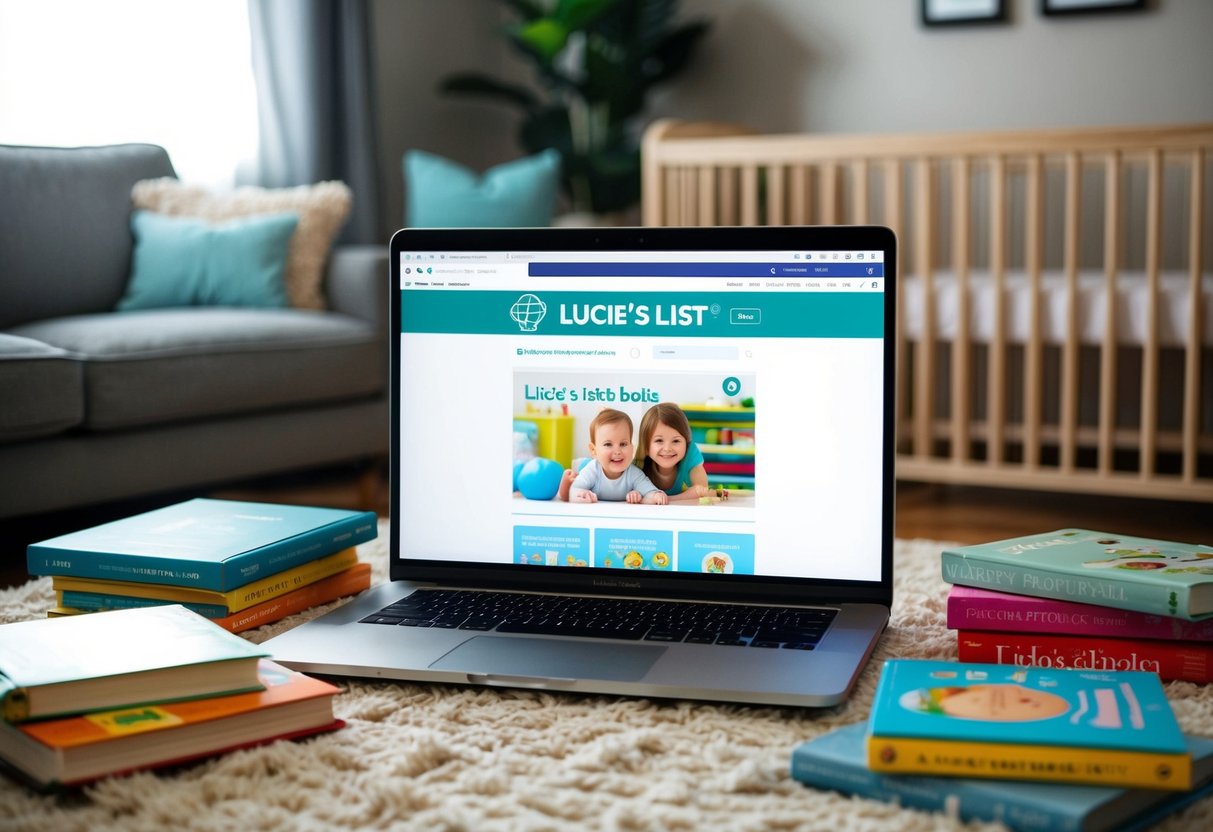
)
(668, 456)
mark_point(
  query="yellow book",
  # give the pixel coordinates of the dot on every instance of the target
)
(235, 600)
(1011, 761)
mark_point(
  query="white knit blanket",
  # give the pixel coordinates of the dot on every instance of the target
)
(438, 757)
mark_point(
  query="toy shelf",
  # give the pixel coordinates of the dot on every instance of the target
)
(725, 436)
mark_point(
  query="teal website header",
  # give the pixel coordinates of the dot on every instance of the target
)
(686, 314)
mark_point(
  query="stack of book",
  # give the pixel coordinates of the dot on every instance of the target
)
(239, 564)
(1033, 748)
(85, 698)
(1085, 599)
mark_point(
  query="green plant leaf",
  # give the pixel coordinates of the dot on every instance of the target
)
(576, 15)
(475, 84)
(545, 37)
(675, 50)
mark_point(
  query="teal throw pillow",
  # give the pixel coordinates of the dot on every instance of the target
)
(444, 194)
(181, 261)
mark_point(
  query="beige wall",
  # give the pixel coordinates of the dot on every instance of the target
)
(821, 65)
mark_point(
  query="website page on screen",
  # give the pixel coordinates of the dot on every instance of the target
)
(715, 412)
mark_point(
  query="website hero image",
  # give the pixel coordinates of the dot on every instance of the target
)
(649, 452)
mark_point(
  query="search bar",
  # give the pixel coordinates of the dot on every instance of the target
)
(695, 353)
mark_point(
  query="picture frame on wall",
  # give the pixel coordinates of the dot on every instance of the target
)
(1066, 7)
(962, 12)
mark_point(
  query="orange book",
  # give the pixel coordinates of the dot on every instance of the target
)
(76, 750)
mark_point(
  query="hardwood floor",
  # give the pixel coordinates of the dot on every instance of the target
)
(937, 512)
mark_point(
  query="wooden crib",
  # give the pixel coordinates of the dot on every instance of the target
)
(1055, 324)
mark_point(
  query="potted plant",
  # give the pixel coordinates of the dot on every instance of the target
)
(595, 61)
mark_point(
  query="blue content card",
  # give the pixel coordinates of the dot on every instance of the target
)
(551, 546)
(714, 553)
(634, 549)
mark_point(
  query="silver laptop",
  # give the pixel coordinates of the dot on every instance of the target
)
(652, 462)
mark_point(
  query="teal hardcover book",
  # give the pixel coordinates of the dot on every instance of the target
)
(838, 761)
(211, 544)
(1111, 728)
(56, 666)
(1092, 567)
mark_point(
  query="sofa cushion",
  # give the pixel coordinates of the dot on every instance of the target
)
(322, 209)
(443, 194)
(65, 242)
(180, 261)
(43, 389)
(153, 366)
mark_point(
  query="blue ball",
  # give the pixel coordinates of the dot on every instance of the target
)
(539, 478)
(518, 463)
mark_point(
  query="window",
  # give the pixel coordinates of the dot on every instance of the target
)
(177, 74)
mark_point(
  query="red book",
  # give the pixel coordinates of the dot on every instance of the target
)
(970, 608)
(740, 468)
(1172, 660)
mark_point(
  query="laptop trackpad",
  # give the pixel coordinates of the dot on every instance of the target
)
(549, 658)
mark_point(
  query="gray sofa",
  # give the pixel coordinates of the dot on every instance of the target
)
(98, 406)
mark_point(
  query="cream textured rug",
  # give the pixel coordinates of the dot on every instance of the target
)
(452, 758)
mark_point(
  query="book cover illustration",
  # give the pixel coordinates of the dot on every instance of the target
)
(1093, 567)
(990, 720)
(838, 761)
(970, 608)
(213, 544)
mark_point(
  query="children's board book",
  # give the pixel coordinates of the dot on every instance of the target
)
(212, 544)
(1110, 728)
(68, 752)
(838, 761)
(1113, 570)
(58, 666)
(970, 608)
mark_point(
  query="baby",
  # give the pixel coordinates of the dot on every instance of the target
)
(610, 474)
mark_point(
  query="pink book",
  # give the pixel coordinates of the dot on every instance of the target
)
(970, 608)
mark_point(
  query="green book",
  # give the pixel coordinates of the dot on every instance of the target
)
(1092, 567)
(60, 666)
(210, 544)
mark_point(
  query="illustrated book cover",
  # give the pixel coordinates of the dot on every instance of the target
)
(1183, 661)
(1092, 567)
(211, 544)
(116, 659)
(838, 761)
(74, 750)
(970, 608)
(1113, 728)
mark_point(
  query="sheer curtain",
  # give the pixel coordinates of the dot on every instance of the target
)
(315, 88)
(81, 72)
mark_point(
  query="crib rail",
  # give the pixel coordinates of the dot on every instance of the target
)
(1131, 202)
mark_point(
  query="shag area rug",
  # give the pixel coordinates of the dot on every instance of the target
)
(440, 757)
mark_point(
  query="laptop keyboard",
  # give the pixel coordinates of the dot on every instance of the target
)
(735, 625)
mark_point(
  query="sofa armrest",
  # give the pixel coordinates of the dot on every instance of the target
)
(357, 283)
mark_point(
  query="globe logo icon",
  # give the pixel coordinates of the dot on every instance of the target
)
(527, 312)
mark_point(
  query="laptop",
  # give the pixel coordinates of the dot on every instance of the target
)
(640, 461)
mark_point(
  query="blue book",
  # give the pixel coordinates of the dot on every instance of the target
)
(838, 761)
(1110, 728)
(210, 544)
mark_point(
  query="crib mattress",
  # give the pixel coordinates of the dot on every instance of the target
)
(1174, 302)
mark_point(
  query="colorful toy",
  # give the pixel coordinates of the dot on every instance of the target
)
(539, 478)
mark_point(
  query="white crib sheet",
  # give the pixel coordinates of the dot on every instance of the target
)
(1131, 307)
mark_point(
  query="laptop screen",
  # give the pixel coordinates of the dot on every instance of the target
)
(689, 413)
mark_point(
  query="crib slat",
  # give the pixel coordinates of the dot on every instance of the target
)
(707, 195)
(749, 195)
(1149, 358)
(961, 392)
(924, 370)
(1191, 410)
(829, 193)
(798, 197)
(1033, 377)
(892, 219)
(1069, 355)
(670, 191)
(687, 197)
(859, 191)
(775, 180)
(1107, 352)
(996, 392)
(728, 195)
